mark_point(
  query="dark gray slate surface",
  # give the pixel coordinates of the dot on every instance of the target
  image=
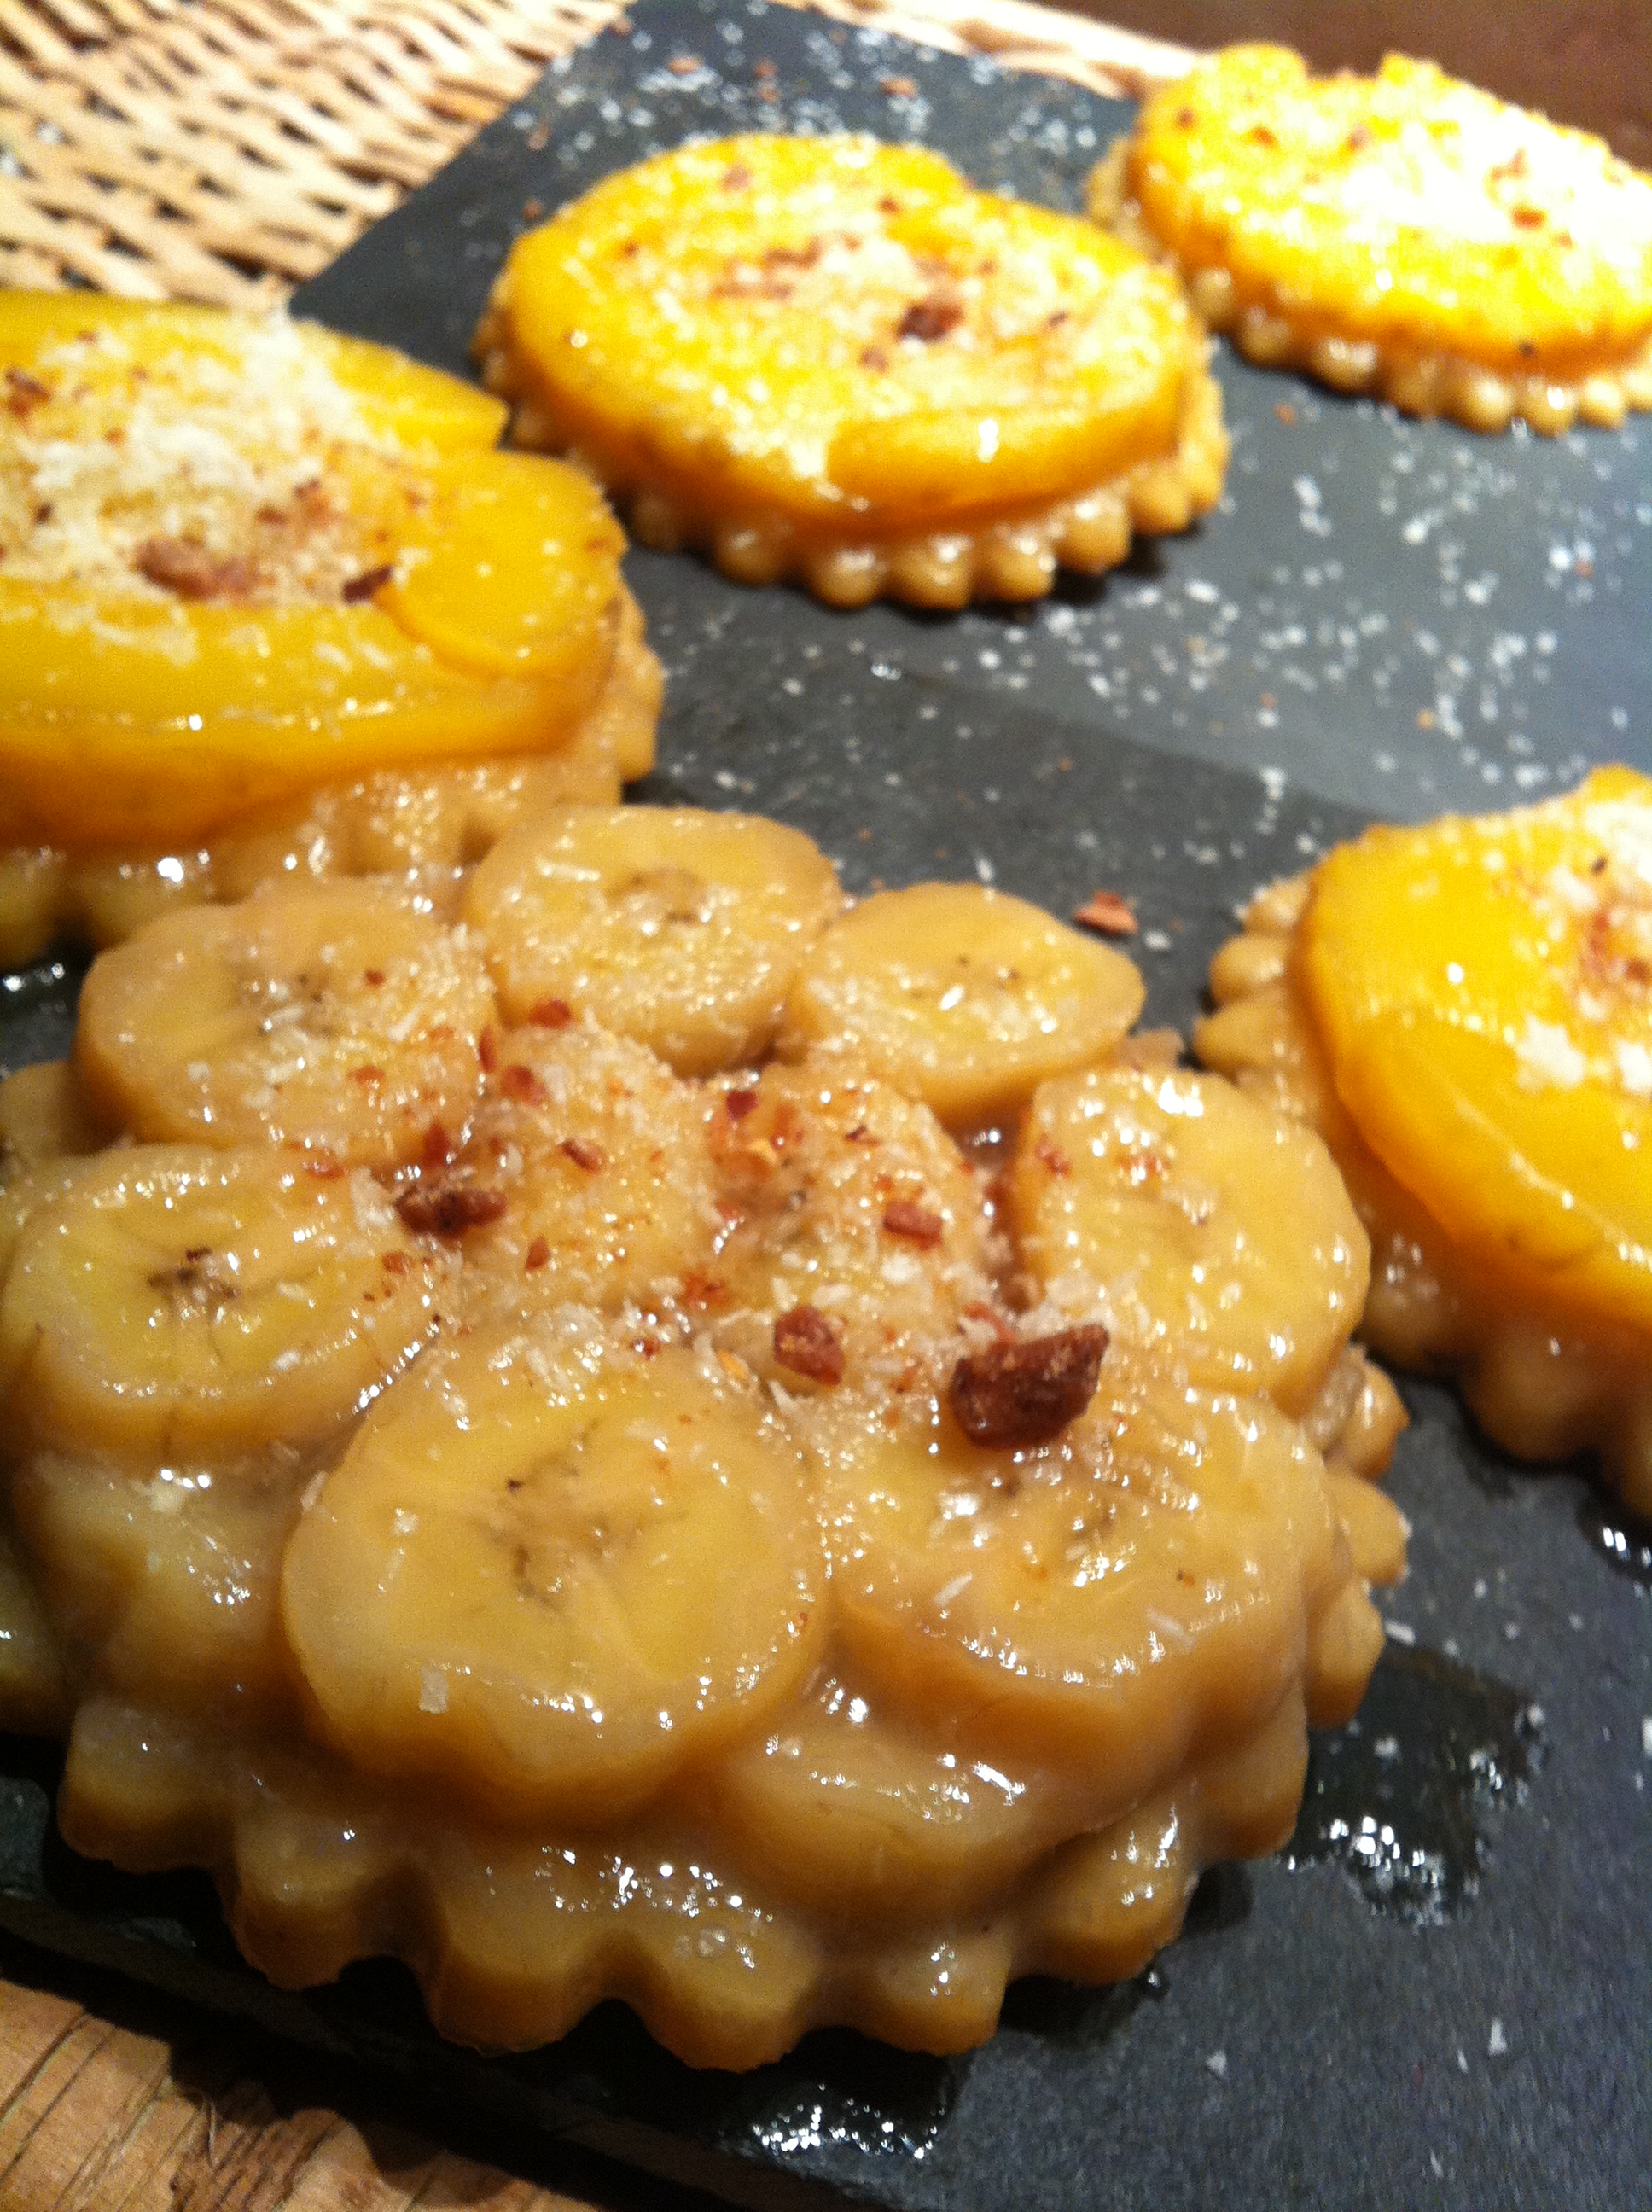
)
(1449, 2006)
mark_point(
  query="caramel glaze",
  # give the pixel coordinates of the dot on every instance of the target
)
(866, 1851)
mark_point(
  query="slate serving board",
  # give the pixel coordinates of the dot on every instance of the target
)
(1440, 1994)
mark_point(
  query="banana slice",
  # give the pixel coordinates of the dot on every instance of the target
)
(680, 929)
(180, 1298)
(167, 1574)
(604, 1157)
(551, 1573)
(856, 1811)
(847, 1203)
(1114, 1602)
(330, 1017)
(46, 1126)
(960, 996)
(44, 1114)
(1198, 1225)
(24, 1191)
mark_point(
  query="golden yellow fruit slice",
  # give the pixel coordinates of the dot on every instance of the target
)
(385, 822)
(831, 359)
(463, 587)
(550, 1572)
(1481, 990)
(1202, 1228)
(1404, 230)
(845, 330)
(242, 557)
(180, 1298)
(681, 928)
(331, 1016)
(960, 996)
(202, 354)
(1115, 1602)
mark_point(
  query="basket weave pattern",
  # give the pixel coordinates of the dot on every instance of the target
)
(226, 149)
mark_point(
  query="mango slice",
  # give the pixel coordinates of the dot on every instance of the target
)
(1481, 988)
(245, 557)
(844, 332)
(1498, 234)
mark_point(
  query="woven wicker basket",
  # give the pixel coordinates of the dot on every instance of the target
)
(226, 149)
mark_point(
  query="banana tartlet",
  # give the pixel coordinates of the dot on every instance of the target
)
(831, 359)
(661, 1436)
(1404, 234)
(1464, 1012)
(271, 603)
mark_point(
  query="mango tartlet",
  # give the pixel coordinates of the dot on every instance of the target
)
(271, 603)
(830, 359)
(1464, 1012)
(1404, 234)
(596, 1466)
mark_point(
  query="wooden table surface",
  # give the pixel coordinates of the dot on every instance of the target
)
(115, 2099)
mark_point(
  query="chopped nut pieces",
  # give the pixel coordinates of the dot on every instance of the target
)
(1106, 911)
(448, 1209)
(1026, 1394)
(190, 571)
(904, 1217)
(931, 317)
(24, 392)
(806, 1342)
(357, 588)
(582, 1153)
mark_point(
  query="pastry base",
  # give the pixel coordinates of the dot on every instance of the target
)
(1013, 556)
(1542, 1383)
(514, 1936)
(1465, 391)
